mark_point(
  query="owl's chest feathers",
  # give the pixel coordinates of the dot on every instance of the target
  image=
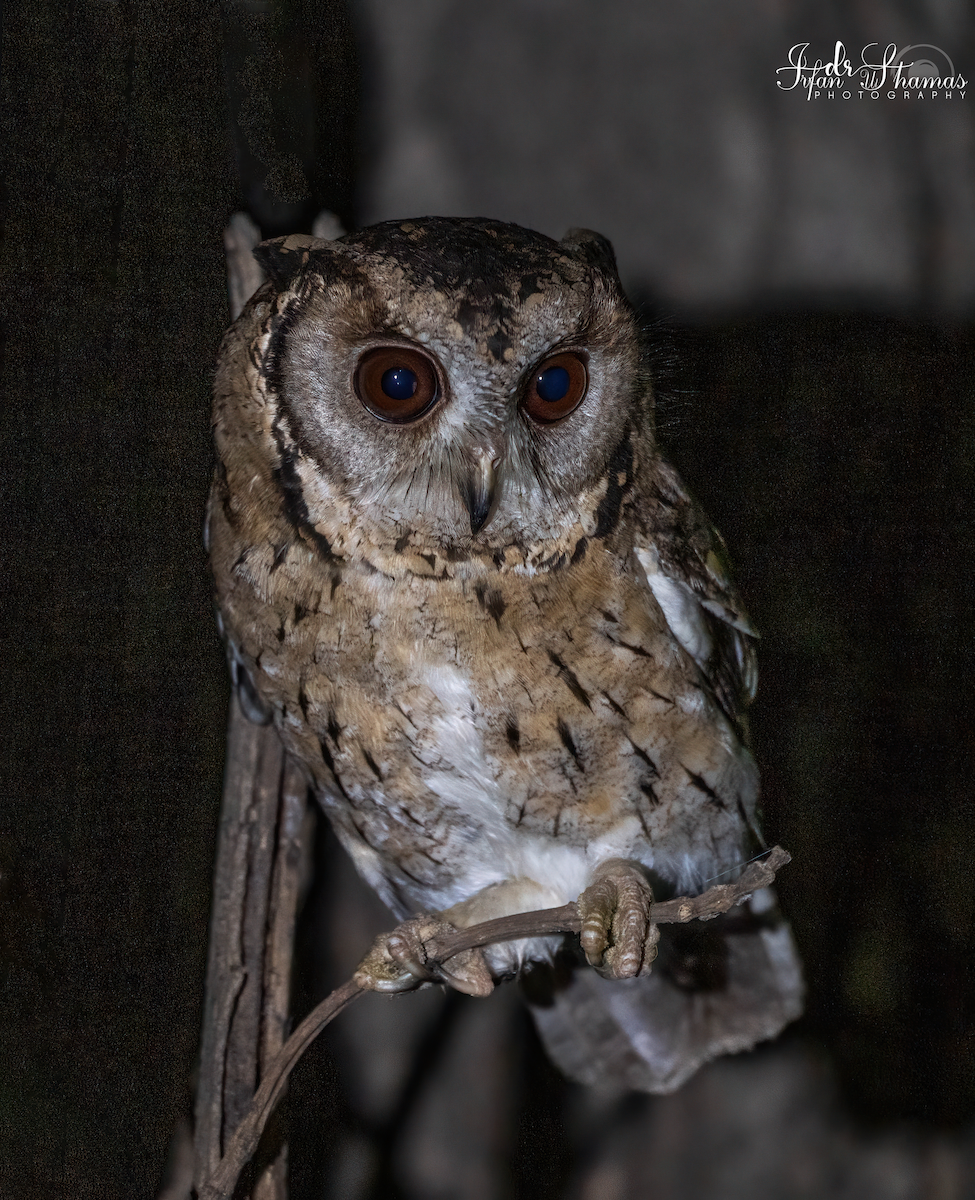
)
(467, 725)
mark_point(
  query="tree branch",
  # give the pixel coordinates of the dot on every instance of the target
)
(541, 923)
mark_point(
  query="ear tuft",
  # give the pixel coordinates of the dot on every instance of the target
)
(591, 247)
(283, 257)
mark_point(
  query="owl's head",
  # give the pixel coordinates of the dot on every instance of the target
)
(464, 384)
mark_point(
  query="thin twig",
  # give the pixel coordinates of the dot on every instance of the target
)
(220, 1185)
(543, 922)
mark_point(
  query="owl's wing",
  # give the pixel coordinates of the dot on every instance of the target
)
(715, 989)
(686, 564)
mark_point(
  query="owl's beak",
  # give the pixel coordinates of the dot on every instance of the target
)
(480, 489)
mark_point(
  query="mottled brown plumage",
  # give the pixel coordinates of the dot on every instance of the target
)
(506, 649)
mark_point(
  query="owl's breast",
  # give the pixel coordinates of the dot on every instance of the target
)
(602, 729)
(459, 726)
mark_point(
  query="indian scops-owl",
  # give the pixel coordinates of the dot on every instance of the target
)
(489, 620)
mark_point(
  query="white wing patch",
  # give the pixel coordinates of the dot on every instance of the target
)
(681, 607)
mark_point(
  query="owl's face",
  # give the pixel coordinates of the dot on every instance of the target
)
(463, 382)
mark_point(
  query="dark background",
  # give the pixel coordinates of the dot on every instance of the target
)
(831, 437)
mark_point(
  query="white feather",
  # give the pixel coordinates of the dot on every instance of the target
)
(528, 866)
(681, 608)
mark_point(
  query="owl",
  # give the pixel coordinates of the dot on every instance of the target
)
(453, 567)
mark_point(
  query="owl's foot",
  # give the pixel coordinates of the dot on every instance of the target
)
(399, 962)
(618, 934)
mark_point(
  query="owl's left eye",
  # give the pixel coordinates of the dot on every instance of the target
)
(556, 388)
(395, 383)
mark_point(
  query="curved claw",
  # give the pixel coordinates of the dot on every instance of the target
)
(399, 962)
(618, 934)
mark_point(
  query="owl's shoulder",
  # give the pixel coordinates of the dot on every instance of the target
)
(687, 568)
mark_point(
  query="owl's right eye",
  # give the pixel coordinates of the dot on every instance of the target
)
(396, 384)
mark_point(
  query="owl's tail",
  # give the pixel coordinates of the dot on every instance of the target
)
(716, 988)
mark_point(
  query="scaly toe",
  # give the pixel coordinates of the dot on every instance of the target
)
(399, 961)
(618, 934)
(596, 906)
(395, 962)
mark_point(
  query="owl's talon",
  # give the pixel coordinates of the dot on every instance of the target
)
(618, 934)
(398, 961)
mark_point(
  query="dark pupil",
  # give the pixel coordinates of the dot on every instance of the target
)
(399, 383)
(553, 384)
